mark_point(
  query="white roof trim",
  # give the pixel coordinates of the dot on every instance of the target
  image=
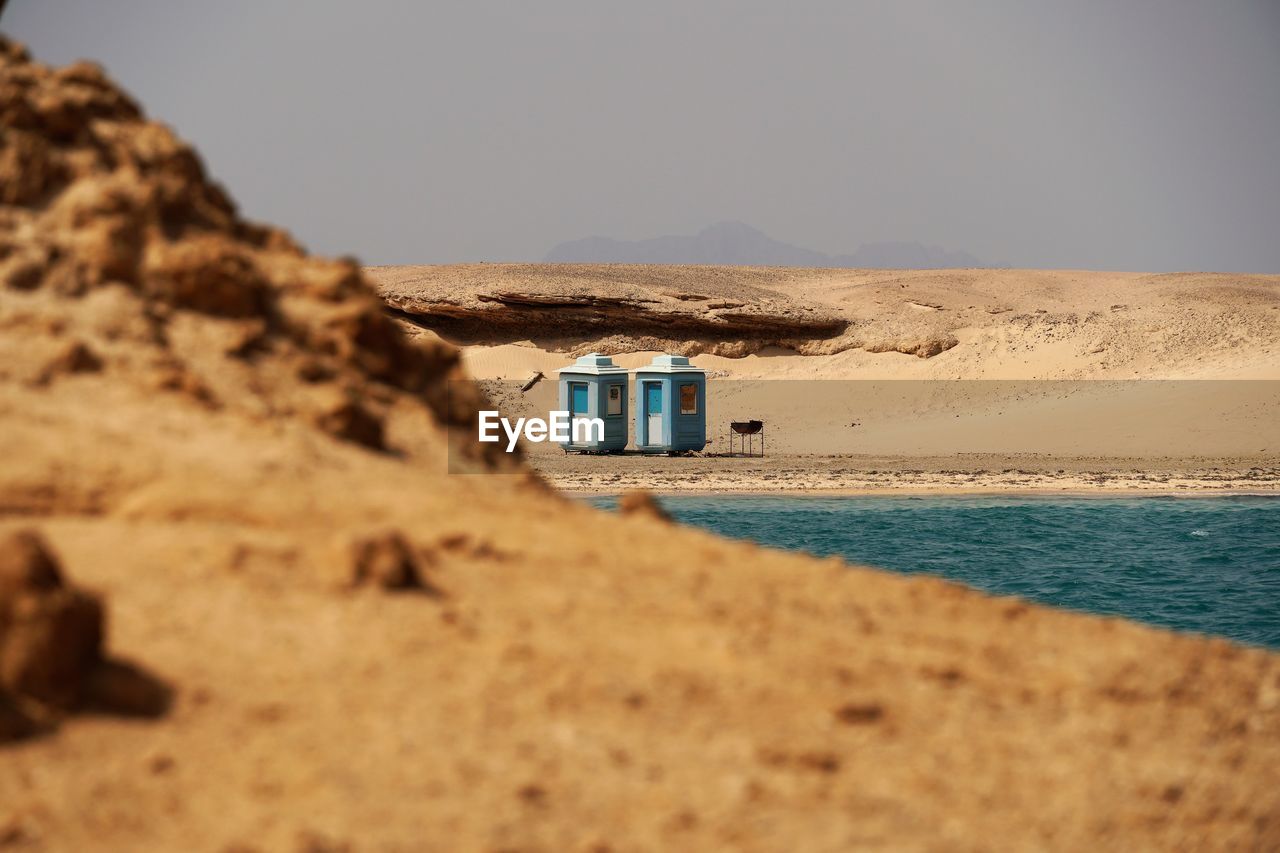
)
(591, 371)
(592, 364)
(669, 364)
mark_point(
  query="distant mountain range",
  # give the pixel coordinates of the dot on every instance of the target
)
(737, 244)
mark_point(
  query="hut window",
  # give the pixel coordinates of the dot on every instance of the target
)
(615, 400)
(689, 399)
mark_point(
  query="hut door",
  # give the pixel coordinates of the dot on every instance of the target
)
(577, 399)
(653, 409)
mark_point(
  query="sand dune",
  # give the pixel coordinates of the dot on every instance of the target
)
(231, 443)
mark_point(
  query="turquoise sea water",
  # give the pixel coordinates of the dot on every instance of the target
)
(1210, 565)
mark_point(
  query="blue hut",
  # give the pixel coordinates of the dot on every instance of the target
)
(671, 406)
(595, 387)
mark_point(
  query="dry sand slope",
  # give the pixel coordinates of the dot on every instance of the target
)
(956, 380)
(242, 457)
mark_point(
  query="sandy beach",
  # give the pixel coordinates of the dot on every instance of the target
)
(868, 475)
(953, 435)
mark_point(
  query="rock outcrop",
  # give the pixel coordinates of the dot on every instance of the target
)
(52, 646)
(114, 244)
(610, 309)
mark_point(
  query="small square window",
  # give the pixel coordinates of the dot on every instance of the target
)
(615, 400)
(689, 399)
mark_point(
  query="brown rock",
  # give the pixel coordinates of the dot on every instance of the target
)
(94, 196)
(50, 635)
(52, 642)
(24, 270)
(606, 308)
(387, 561)
(206, 274)
(352, 421)
(75, 357)
(14, 722)
(26, 565)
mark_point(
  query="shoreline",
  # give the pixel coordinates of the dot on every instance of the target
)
(979, 474)
(1204, 491)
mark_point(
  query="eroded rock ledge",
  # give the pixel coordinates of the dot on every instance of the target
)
(609, 308)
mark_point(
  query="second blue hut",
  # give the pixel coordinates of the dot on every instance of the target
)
(595, 387)
(671, 406)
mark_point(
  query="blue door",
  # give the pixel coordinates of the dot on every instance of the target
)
(653, 409)
(577, 398)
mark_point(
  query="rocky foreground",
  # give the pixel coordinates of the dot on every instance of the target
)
(244, 605)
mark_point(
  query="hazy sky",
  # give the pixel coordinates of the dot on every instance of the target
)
(1092, 133)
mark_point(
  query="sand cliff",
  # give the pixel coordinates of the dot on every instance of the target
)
(961, 324)
(231, 445)
(607, 308)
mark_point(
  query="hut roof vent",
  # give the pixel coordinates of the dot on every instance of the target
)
(669, 364)
(594, 364)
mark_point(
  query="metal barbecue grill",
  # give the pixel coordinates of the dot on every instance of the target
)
(742, 438)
